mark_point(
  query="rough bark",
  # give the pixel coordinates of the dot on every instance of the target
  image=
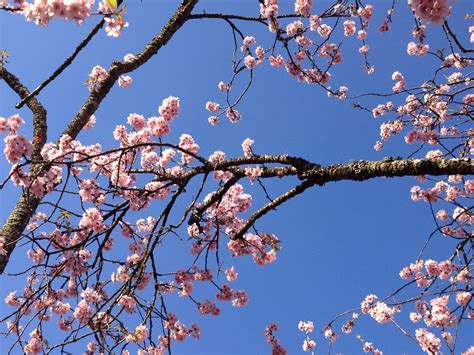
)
(27, 205)
(390, 167)
(364, 170)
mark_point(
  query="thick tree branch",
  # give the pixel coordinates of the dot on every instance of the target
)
(390, 167)
(27, 205)
(365, 170)
(357, 171)
(119, 68)
(15, 224)
(65, 64)
(39, 112)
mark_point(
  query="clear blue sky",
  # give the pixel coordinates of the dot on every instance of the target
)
(340, 242)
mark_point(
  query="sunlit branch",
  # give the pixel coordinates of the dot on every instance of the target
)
(26, 206)
(64, 65)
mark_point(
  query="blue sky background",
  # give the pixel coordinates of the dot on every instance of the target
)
(340, 242)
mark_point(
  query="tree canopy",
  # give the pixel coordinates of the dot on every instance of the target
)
(301, 170)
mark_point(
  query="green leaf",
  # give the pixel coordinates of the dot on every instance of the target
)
(112, 4)
(64, 215)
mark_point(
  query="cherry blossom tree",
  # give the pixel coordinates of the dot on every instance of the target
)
(95, 220)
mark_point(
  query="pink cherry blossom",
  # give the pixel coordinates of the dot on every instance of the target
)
(246, 42)
(361, 34)
(169, 108)
(250, 62)
(97, 75)
(83, 312)
(35, 344)
(114, 26)
(90, 123)
(129, 57)
(349, 28)
(417, 49)
(92, 220)
(303, 7)
(306, 327)
(187, 143)
(213, 106)
(223, 87)
(241, 299)
(431, 11)
(428, 342)
(463, 298)
(324, 30)
(277, 61)
(233, 115)
(247, 147)
(15, 147)
(309, 345)
(277, 348)
(3, 251)
(124, 81)
(366, 12)
(231, 274)
(208, 307)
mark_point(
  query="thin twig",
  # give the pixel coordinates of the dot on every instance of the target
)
(63, 66)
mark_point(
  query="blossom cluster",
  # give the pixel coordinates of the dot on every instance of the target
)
(379, 311)
(269, 333)
(16, 146)
(301, 63)
(431, 11)
(112, 182)
(307, 327)
(41, 12)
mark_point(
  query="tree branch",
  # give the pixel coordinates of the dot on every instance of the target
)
(365, 170)
(453, 36)
(27, 205)
(63, 66)
(390, 167)
(39, 112)
(271, 205)
(119, 68)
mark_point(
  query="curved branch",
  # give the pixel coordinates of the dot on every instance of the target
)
(63, 66)
(119, 68)
(27, 205)
(453, 36)
(39, 112)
